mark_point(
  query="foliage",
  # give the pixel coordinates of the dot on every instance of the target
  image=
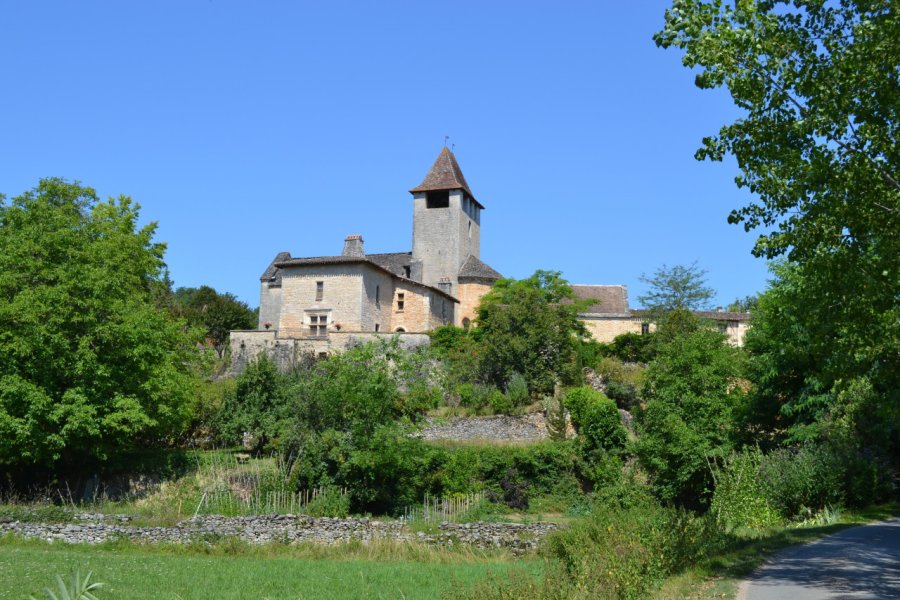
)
(739, 500)
(91, 366)
(332, 503)
(745, 304)
(258, 403)
(556, 415)
(78, 588)
(691, 392)
(817, 144)
(817, 147)
(631, 347)
(530, 327)
(624, 381)
(596, 420)
(676, 288)
(216, 314)
(813, 374)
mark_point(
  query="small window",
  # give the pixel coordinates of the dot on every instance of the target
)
(407, 271)
(322, 355)
(377, 327)
(466, 323)
(320, 290)
(377, 295)
(723, 327)
(645, 328)
(437, 199)
(400, 330)
(318, 325)
(401, 301)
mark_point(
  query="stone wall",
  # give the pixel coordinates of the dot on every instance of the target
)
(470, 294)
(291, 352)
(516, 537)
(269, 304)
(605, 328)
(342, 297)
(497, 428)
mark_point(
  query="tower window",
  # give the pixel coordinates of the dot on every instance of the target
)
(320, 290)
(437, 199)
(377, 327)
(401, 301)
(377, 295)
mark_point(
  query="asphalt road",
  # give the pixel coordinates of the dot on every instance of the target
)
(859, 563)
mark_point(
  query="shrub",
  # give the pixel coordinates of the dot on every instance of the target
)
(517, 391)
(802, 481)
(331, 503)
(739, 500)
(500, 403)
(476, 396)
(623, 381)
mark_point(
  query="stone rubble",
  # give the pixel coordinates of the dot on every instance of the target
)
(95, 529)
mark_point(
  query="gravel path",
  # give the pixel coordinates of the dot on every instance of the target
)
(858, 563)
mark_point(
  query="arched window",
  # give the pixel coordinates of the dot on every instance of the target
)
(466, 323)
(399, 330)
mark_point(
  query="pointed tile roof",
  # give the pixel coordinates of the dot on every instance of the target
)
(474, 269)
(445, 174)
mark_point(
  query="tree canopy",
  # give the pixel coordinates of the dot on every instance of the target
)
(677, 288)
(531, 327)
(217, 314)
(90, 362)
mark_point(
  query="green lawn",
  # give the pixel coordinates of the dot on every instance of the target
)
(132, 572)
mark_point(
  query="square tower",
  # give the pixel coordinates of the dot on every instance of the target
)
(446, 224)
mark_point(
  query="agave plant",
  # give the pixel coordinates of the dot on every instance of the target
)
(79, 589)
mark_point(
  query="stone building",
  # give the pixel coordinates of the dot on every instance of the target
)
(323, 303)
(314, 305)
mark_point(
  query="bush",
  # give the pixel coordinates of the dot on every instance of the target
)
(330, 503)
(739, 500)
(801, 482)
(623, 381)
(477, 396)
(596, 419)
(517, 391)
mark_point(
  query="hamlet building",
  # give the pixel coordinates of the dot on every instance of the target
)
(315, 305)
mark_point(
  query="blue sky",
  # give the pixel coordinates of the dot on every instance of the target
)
(247, 128)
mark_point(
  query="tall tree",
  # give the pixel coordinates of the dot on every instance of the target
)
(531, 327)
(90, 365)
(818, 147)
(217, 314)
(677, 288)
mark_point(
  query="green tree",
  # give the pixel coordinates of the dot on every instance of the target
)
(692, 391)
(817, 146)
(217, 314)
(90, 365)
(529, 327)
(677, 288)
(745, 304)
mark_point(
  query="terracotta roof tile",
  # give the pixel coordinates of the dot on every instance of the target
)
(475, 269)
(610, 299)
(445, 174)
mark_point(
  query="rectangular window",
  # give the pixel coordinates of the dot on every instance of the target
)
(377, 327)
(320, 290)
(645, 328)
(318, 325)
(401, 301)
(407, 271)
(437, 199)
(377, 295)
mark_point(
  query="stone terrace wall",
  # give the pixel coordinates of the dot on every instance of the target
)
(289, 529)
(498, 428)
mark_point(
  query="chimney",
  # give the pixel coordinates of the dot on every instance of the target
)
(353, 246)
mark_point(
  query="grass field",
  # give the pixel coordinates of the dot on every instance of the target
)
(132, 572)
